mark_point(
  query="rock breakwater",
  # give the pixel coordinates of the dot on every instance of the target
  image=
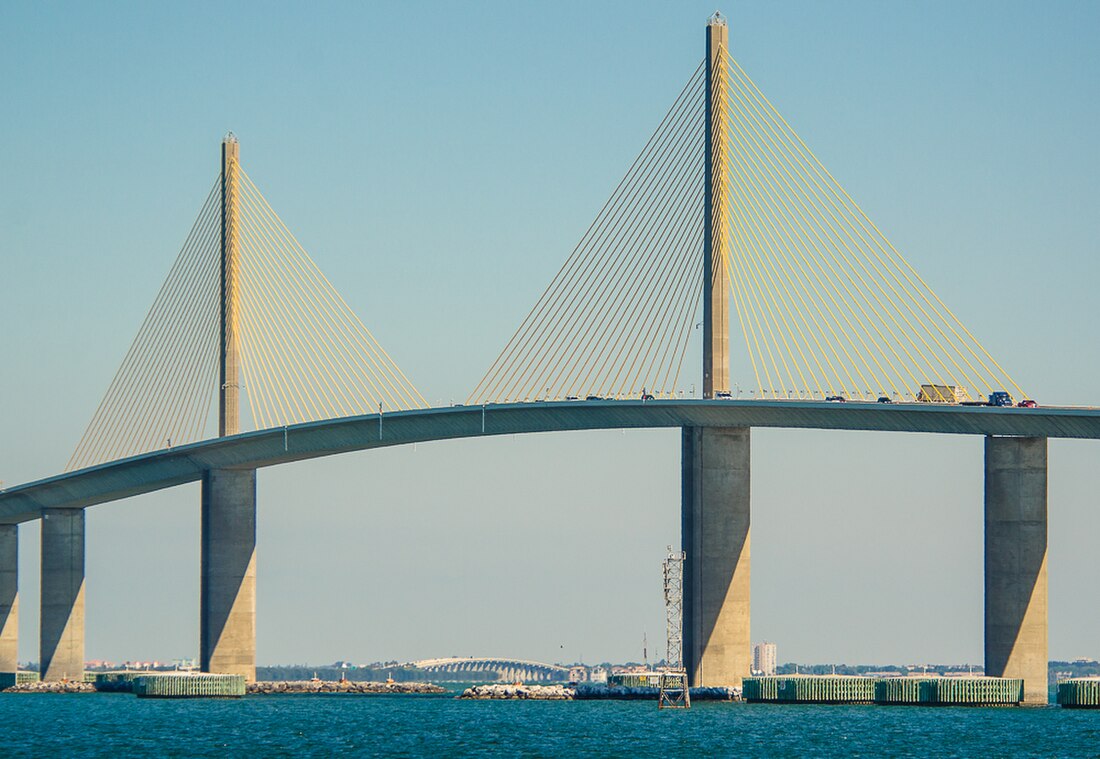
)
(51, 687)
(497, 691)
(586, 692)
(336, 686)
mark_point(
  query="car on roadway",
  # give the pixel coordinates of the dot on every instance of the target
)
(1027, 403)
(724, 395)
(884, 399)
(593, 398)
(647, 397)
(836, 399)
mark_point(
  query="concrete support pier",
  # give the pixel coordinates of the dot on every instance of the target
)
(715, 537)
(1016, 562)
(9, 597)
(61, 639)
(227, 615)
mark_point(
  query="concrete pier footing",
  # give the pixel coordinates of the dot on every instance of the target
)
(9, 597)
(715, 538)
(61, 635)
(227, 617)
(1016, 562)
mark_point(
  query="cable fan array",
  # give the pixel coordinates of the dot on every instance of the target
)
(305, 355)
(163, 391)
(827, 305)
(616, 320)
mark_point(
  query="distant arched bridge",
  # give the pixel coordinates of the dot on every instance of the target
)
(507, 670)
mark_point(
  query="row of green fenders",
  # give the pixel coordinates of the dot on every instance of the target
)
(841, 689)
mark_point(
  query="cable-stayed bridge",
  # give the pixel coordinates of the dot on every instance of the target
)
(726, 221)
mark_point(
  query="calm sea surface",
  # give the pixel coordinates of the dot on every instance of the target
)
(122, 725)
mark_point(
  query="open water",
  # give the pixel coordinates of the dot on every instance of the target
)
(122, 725)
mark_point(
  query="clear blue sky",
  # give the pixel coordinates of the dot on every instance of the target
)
(439, 162)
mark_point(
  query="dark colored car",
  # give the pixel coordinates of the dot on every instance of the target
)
(593, 398)
(836, 399)
(884, 399)
(647, 397)
(1000, 398)
(724, 395)
(1027, 403)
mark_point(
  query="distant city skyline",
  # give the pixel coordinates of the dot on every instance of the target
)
(440, 187)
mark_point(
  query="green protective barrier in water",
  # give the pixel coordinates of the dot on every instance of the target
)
(834, 689)
(1079, 693)
(189, 686)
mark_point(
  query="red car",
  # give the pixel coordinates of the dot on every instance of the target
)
(1027, 403)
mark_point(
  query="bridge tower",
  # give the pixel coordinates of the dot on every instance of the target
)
(227, 614)
(716, 238)
(714, 528)
(229, 411)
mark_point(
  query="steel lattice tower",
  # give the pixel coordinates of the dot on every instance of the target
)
(674, 685)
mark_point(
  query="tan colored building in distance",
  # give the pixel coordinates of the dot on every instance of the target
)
(763, 658)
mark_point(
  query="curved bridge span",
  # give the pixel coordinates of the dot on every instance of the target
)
(504, 669)
(167, 468)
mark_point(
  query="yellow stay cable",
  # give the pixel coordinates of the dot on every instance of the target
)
(621, 253)
(904, 265)
(333, 294)
(797, 218)
(759, 123)
(662, 301)
(299, 303)
(307, 292)
(764, 190)
(283, 361)
(673, 208)
(479, 393)
(106, 418)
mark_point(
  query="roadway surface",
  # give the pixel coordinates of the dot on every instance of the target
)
(176, 466)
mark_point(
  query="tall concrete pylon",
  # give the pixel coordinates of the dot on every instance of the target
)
(715, 461)
(227, 613)
(229, 408)
(716, 238)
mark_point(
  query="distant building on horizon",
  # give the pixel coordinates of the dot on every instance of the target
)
(763, 658)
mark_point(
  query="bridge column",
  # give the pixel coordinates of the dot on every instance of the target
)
(227, 615)
(1016, 562)
(61, 628)
(715, 538)
(9, 597)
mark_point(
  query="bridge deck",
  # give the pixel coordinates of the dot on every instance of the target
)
(166, 468)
